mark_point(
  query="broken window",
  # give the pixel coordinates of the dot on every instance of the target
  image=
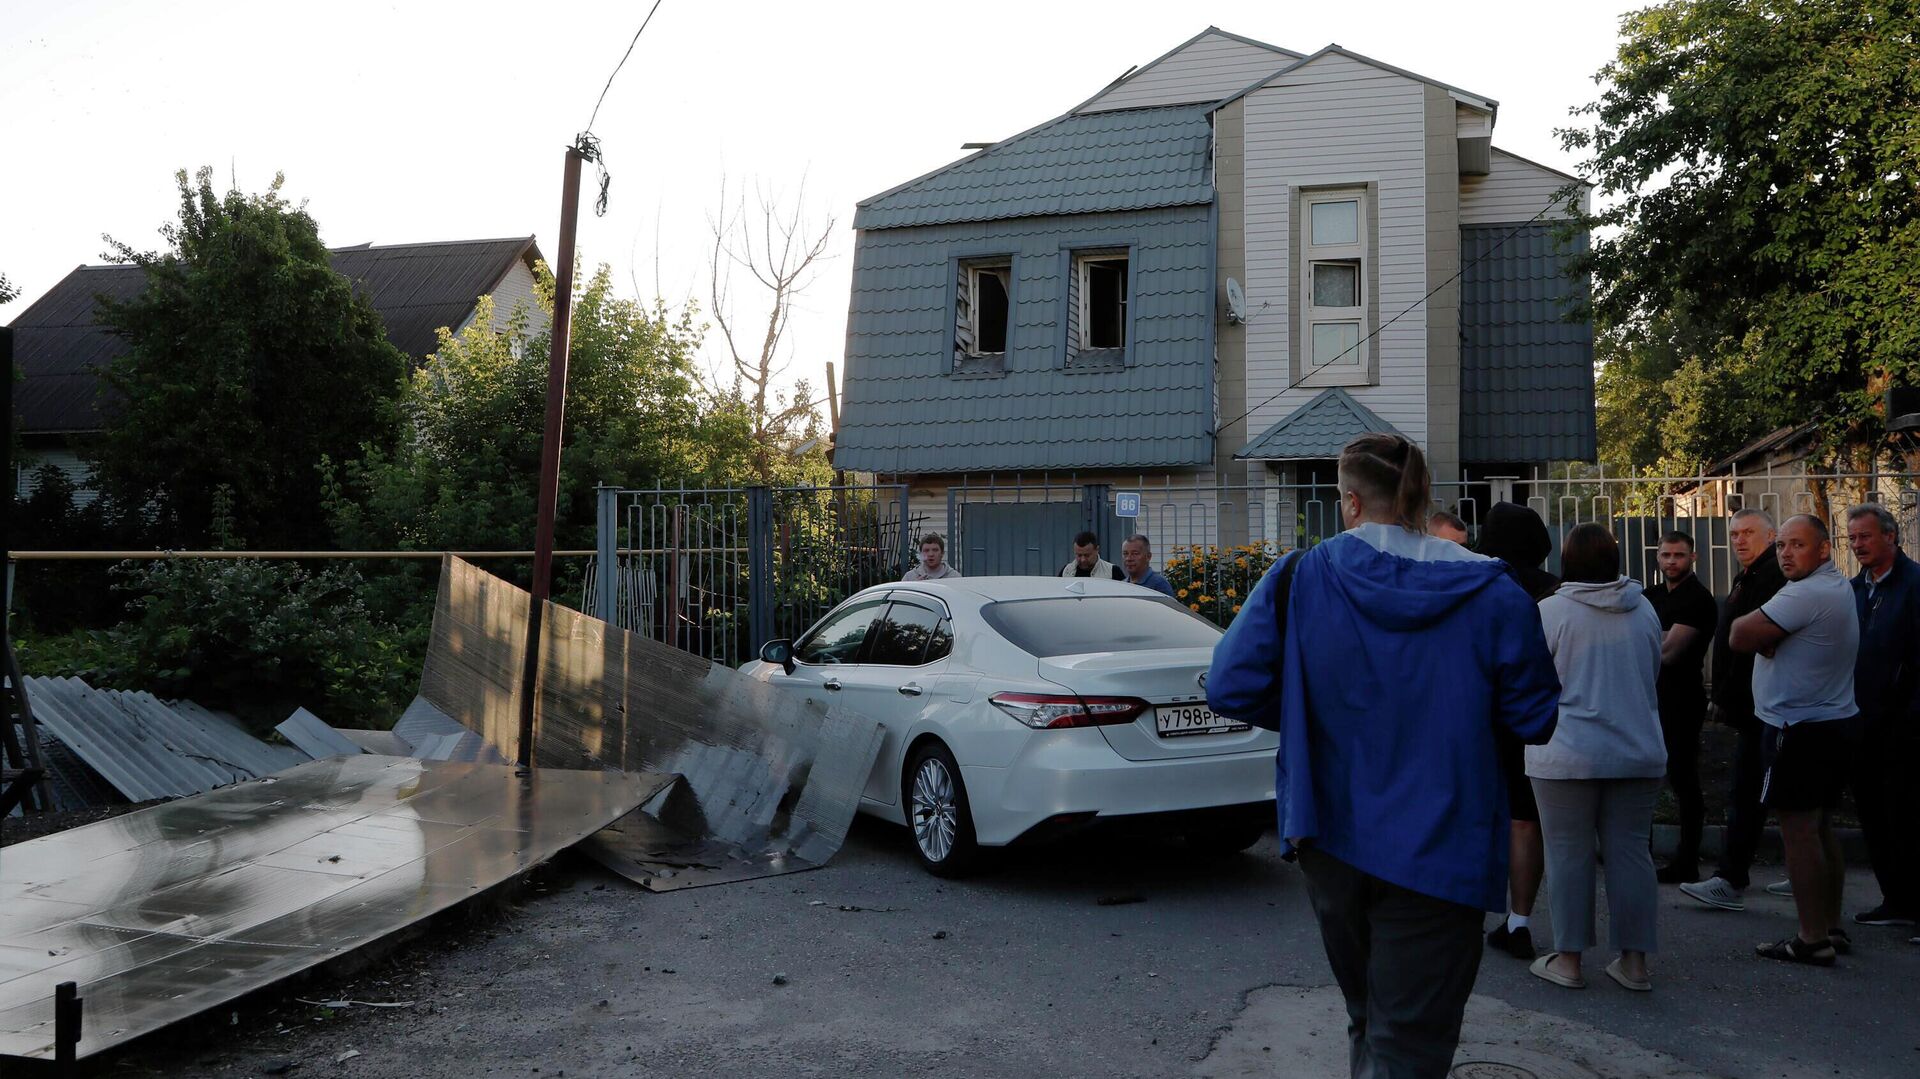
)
(983, 301)
(1097, 307)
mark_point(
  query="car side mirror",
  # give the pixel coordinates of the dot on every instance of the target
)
(780, 652)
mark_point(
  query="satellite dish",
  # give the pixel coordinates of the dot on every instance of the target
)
(1236, 302)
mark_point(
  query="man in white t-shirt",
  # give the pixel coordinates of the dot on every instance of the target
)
(1806, 638)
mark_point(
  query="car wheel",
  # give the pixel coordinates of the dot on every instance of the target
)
(1226, 837)
(938, 813)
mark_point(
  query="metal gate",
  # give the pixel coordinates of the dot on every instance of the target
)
(720, 571)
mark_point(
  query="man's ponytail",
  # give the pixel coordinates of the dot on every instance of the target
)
(1387, 470)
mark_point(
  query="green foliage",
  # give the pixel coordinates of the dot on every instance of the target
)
(56, 597)
(1764, 228)
(262, 638)
(1214, 581)
(249, 360)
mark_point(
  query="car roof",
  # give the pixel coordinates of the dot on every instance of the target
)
(993, 589)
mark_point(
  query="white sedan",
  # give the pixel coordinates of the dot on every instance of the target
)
(1026, 707)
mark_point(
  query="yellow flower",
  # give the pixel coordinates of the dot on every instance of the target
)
(1231, 593)
(1206, 599)
(1236, 608)
(1196, 586)
(1182, 594)
(1241, 562)
(1195, 607)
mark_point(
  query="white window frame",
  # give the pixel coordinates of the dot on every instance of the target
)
(1082, 268)
(1356, 254)
(974, 269)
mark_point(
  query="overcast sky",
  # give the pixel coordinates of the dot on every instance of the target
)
(406, 122)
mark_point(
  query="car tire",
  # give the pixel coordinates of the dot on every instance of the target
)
(939, 817)
(1226, 837)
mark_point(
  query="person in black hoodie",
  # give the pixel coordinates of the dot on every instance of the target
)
(1517, 536)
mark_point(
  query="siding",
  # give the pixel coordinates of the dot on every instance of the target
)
(1513, 192)
(1208, 68)
(515, 289)
(1337, 121)
(903, 413)
(27, 479)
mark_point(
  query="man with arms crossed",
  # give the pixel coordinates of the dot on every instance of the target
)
(1806, 639)
(1687, 617)
(1751, 535)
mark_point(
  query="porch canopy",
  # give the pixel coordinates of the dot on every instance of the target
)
(1316, 431)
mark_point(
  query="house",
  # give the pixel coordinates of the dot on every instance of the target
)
(1204, 280)
(60, 349)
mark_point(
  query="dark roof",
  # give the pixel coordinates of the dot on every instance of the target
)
(1526, 371)
(1103, 162)
(417, 288)
(1317, 430)
(1787, 438)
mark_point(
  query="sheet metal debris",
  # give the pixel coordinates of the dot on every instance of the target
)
(315, 738)
(165, 912)
(769, 781)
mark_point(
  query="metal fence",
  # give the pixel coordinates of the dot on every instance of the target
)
(720, 571)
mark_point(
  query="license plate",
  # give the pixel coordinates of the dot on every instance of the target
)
(1180, 720)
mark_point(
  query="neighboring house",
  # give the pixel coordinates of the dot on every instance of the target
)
(60, 349)
(1214, 273)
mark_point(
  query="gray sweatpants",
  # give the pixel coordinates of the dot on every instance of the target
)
(1620, 813)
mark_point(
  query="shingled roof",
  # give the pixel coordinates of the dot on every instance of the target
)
(417, 288)
(1132, 159)
(1315, 431)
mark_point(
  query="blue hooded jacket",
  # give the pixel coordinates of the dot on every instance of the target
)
(1403, 655)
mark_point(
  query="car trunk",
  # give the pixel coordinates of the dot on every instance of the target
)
(1168, 678)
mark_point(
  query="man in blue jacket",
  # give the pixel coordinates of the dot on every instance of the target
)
(1387, 660)
(1886, 682)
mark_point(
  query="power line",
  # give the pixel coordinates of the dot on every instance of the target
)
(1313, 370)
(621, 64)
(587, 142)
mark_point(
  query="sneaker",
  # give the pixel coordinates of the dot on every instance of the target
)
(1842, 943)
(1715, 892)
(1819, 953)
(1516, 942)
(1677, 873)
(1781, 887)
(1884, 915)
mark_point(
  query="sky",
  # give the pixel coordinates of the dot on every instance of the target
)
(422, 121)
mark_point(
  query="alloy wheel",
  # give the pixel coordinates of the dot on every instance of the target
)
(935, 814)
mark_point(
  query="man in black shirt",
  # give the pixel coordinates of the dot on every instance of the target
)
(1751, 534)
(1688, 616)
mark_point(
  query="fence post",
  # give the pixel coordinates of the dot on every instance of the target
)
(760, 565)
(909, 551)
(1094, 498)
(954, 546)
(606, 559)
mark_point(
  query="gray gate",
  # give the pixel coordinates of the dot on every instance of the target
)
(721, 571)
(1031, 534)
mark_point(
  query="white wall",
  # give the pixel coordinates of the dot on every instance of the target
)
(1512, 192)
(1213, 67)
(27, 480)
(516, 289)
(1337, 121)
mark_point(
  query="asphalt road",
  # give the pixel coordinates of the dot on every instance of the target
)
(1115, 957)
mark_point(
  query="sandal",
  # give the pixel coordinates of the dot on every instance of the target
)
(1641, 985)
(1540, 969)
(1818, 953)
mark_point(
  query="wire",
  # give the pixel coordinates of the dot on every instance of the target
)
(621, 64)
(1488, 253)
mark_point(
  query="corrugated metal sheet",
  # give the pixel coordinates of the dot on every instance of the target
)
(315, 738)
(1098, 163)
(904, 412)
(69, 783)
(381, 743)
(1526, 372)
(1316, 430)
(417, 288)
(147, 749)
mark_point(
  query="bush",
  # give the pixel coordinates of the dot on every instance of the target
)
(1214, 581)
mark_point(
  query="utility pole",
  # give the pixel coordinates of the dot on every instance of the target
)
(550, 447)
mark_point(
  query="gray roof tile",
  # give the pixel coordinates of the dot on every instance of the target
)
(1526, 371)
(1316, 430)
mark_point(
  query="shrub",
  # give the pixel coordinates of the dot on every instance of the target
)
(1214, 581)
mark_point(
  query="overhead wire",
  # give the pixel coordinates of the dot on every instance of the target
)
(587, 143)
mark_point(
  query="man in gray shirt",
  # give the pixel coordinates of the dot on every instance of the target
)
(932, 565)
(1805, 639)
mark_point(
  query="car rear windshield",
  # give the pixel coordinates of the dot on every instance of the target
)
(1070, 625)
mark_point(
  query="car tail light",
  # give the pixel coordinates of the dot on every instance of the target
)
(1043, 711)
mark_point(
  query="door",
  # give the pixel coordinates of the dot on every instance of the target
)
(902, 673)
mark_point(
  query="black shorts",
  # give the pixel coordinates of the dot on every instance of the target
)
(1513, 765)
(1806, 765)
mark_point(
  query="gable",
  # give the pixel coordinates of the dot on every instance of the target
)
(1101, 163)
(1514, 190)
(1208, 67)
(1317, 430)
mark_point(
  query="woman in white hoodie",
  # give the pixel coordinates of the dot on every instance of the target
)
(1601, 772)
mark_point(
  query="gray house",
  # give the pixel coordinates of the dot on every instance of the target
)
(1211, 275)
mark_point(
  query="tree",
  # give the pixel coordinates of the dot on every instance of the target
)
(780, 249)
(464, 471)
(1762, 244)
(249, 360)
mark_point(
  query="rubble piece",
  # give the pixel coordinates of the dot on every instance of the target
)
(384, 743)
(315, 738)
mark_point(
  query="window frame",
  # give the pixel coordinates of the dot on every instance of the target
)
(1361, 366)
(907, 599)
(880, 604)
(1075, 286)
(969, 361)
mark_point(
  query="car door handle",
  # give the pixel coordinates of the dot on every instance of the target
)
(830, 683)
(911, 689)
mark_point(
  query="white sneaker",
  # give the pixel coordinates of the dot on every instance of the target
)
(1715, 892)
(1781, 887)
